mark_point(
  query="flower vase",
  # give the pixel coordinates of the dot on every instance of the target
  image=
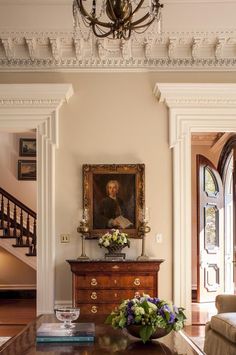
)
(135, 329)
(114, 252)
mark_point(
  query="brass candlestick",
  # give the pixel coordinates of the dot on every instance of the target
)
(142, 231)
(83, 229)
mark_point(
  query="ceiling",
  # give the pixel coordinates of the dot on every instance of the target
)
(196, 35)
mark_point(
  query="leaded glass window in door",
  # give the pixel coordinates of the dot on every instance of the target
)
(210, 184)
(211, 227)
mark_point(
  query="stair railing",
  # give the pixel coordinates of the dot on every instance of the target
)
(20, 220)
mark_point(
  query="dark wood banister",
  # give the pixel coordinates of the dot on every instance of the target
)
(24, 230)
(17, 202)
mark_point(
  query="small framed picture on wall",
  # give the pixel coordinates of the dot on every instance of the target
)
(27, 170)
(27, 147)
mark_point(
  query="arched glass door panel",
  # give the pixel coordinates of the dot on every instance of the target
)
(210, 183)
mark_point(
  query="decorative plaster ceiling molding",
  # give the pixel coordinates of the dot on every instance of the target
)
(58, 50)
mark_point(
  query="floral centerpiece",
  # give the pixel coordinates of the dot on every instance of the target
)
(114, 241)
(151, 316)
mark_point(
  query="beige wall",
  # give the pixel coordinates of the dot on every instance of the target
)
(113, 118)
(14, 273)
(25, 191)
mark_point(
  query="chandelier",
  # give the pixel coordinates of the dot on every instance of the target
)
(116, 19)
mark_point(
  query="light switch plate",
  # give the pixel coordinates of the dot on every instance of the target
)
(158, 238)
(65, 238)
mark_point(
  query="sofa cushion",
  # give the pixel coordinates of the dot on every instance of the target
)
(225, 324)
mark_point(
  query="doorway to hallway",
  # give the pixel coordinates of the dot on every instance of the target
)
(213, 241)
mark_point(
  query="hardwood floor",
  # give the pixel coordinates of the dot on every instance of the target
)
(15, 314)
(201, 314)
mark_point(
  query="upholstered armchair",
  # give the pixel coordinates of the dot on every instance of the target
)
(220, 336)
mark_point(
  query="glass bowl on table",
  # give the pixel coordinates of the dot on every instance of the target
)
(67, 315)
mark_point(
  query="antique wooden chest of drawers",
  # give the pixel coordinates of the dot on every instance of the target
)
(99, 286)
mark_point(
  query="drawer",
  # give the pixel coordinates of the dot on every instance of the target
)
(114, 281)
(97, 308)
(108, 296)
(140, 267)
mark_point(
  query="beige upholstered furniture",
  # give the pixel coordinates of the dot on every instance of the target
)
(220, 336)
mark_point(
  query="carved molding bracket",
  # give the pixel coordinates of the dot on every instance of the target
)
(170, 51)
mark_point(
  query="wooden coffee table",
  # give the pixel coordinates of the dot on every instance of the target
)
(107, 341)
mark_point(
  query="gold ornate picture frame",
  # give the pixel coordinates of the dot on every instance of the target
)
(114, 195)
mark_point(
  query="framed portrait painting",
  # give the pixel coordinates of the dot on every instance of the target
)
(27, 170)
(114, 197)
(27, 147)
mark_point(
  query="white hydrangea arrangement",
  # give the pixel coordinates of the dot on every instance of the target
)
(114, 237)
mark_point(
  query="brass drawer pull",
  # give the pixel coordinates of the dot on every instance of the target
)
(115, 282)
(94, 282)
(94, 309)
(137, 282)
(94, 295)
(115, 295)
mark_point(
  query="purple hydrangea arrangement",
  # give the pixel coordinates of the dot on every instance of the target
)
(149, 313)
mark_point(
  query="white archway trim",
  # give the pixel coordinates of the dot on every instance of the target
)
(36, 106)
(192, 108)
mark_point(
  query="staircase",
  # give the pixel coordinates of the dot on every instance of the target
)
(18, 228)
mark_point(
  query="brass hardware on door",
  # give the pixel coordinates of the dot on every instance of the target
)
(137, 282)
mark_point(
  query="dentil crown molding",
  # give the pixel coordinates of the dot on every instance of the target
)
(60, 50)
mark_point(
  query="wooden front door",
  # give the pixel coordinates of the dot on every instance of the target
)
(210, 278)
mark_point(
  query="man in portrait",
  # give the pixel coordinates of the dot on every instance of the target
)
(112, 211)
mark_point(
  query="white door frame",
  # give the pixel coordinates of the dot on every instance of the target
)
(192, 108)
(36, 106)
